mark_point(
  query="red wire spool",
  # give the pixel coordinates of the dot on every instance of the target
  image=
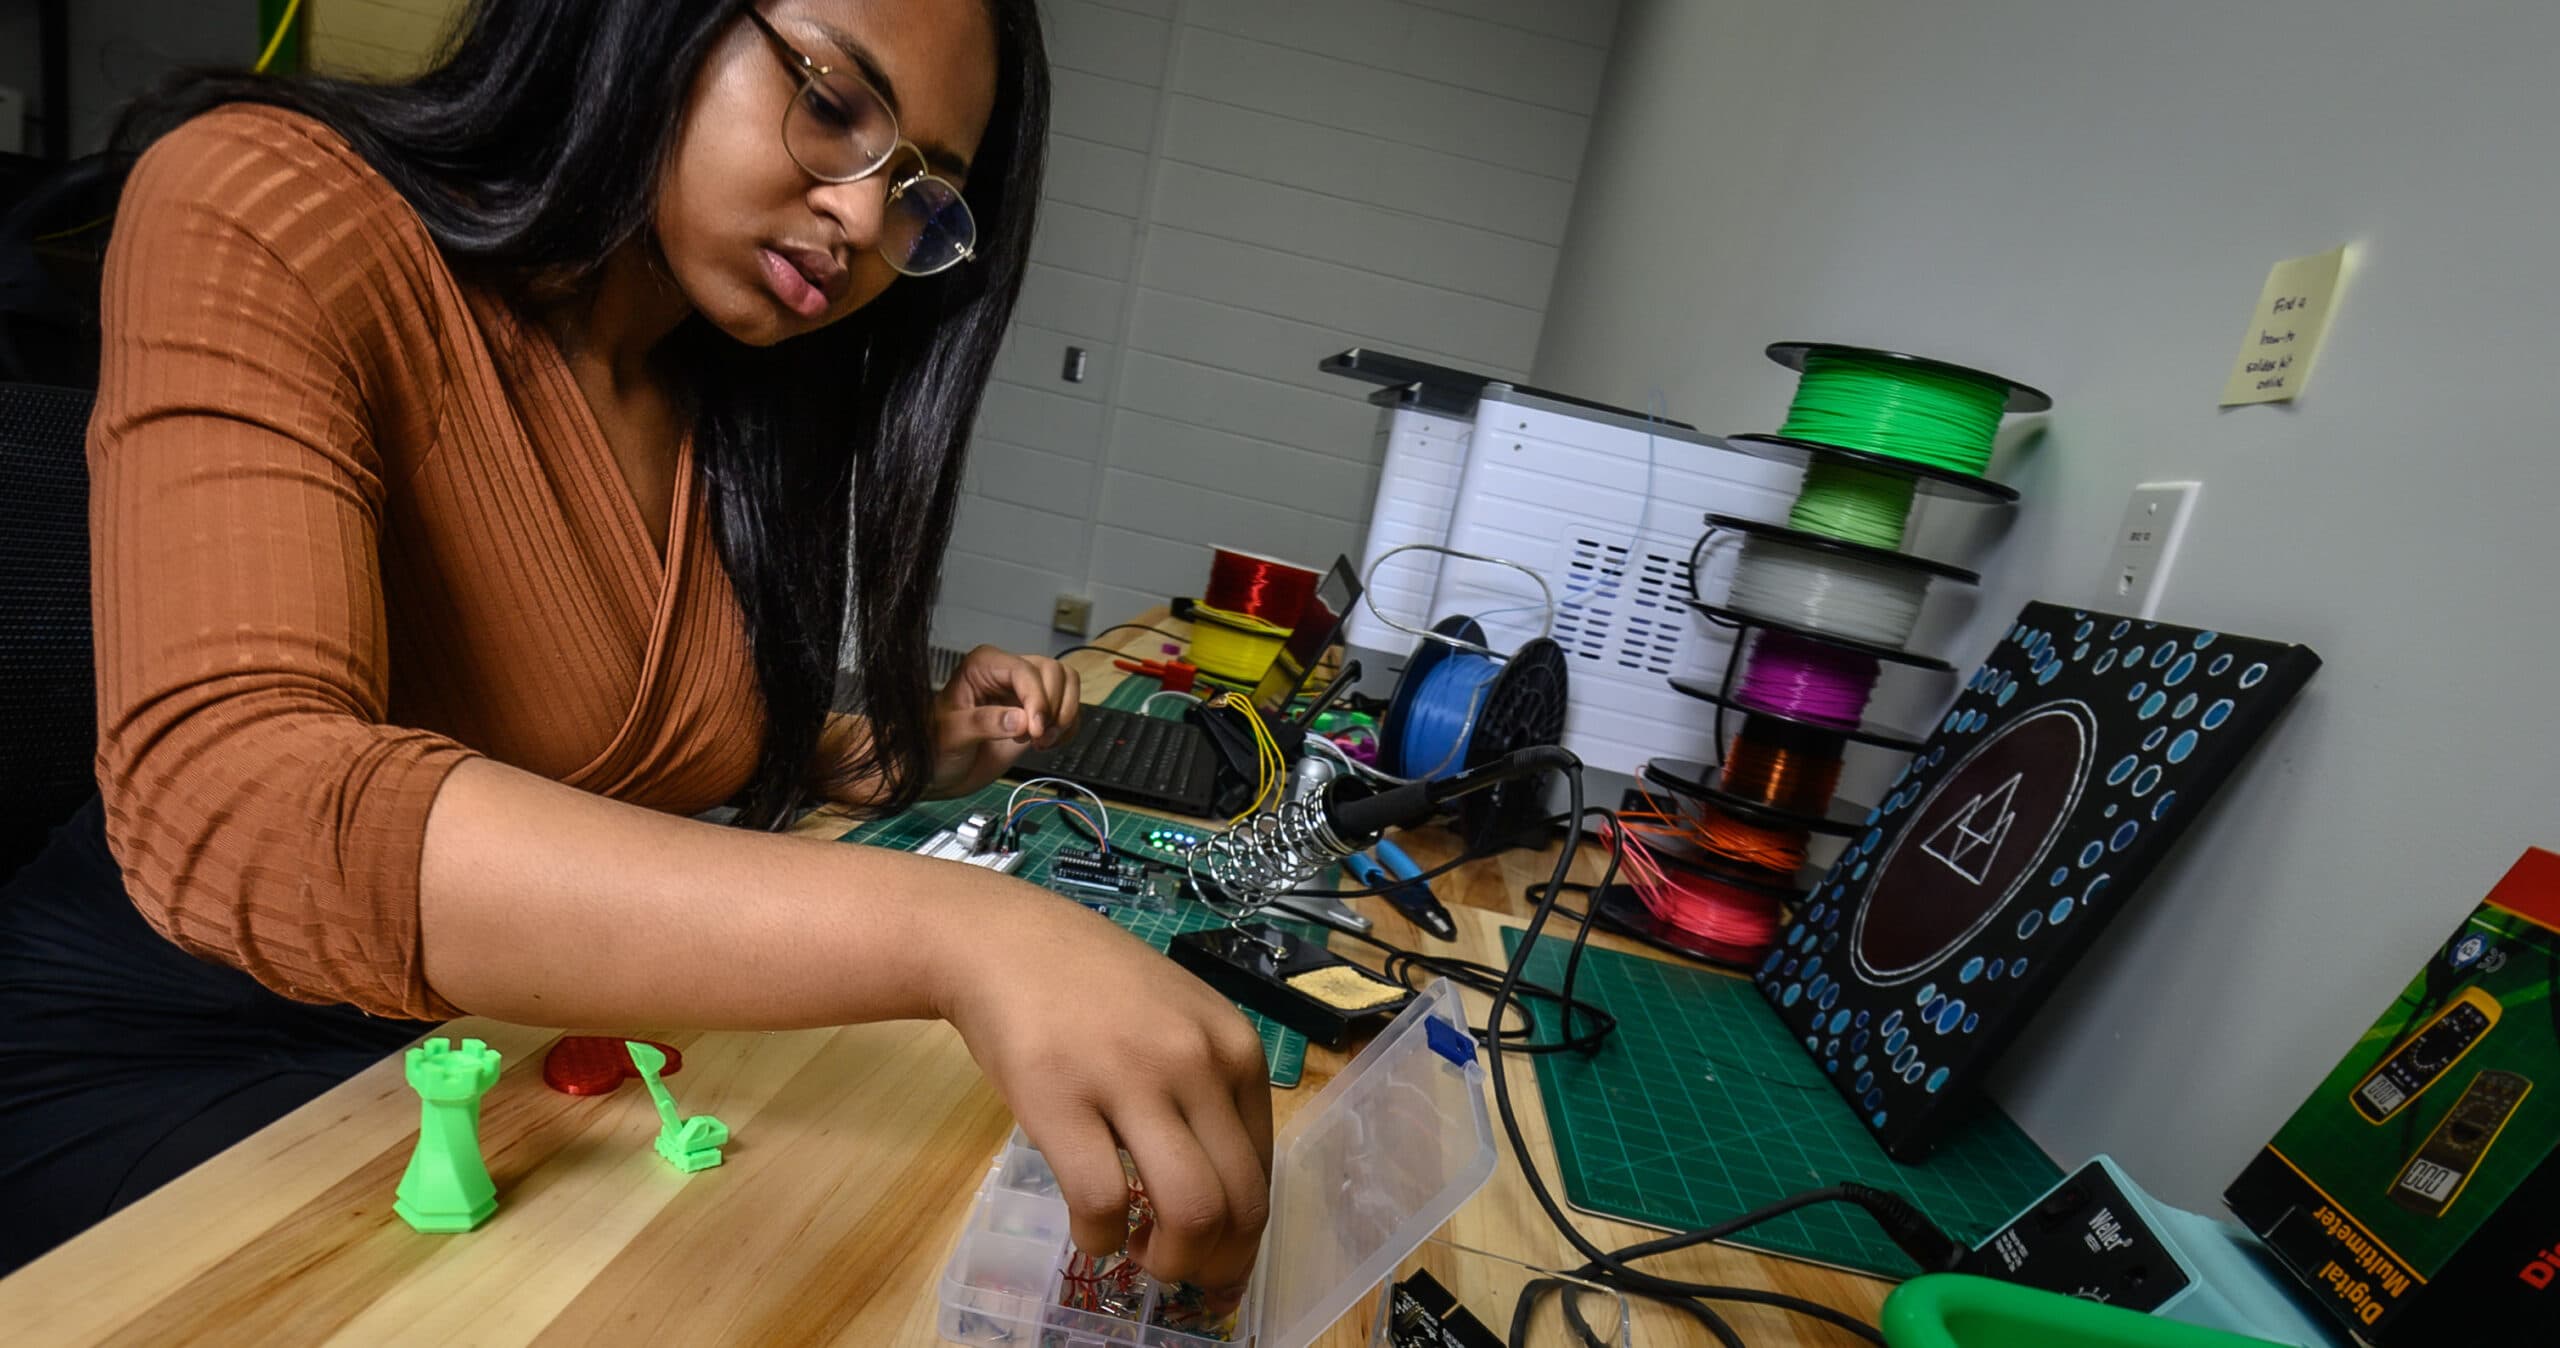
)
(1263, 587)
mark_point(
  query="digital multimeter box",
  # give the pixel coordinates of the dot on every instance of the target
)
(2417, 1192)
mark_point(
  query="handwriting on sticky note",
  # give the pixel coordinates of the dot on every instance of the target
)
(2284, 330)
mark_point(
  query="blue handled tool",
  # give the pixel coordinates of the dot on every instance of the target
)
(1411, 894)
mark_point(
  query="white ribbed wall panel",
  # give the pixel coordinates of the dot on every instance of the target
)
(1238, 189)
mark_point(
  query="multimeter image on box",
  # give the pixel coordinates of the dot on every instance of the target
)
(2413, 1194)
(2434, 1177)
(2429, 1054)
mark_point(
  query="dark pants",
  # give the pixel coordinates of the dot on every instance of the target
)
(123, 1060)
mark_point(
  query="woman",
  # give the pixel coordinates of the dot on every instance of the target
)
(481, 469)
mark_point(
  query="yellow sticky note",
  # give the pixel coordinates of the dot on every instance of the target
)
(2284, 330)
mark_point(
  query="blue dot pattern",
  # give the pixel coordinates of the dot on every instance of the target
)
(2174, 693)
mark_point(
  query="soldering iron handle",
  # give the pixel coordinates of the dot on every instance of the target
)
(1359, 819)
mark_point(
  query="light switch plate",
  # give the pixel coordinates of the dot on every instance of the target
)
(1073, 614)
(2145, 546)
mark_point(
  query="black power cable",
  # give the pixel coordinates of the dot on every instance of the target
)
(1911, 1231)
(1524, 1312)
(1401, 963)
(1139, 627)
(1432, 874)
(1463, 858)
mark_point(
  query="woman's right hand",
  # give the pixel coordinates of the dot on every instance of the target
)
(1098, 1044)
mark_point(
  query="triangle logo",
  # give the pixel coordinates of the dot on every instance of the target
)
(1970, 842)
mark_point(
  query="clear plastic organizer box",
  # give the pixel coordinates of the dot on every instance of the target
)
(1360, 1178)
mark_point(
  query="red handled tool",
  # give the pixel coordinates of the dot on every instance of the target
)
(1178, 676)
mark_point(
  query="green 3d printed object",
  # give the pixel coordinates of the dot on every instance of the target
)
(447, 1187)
(688, 1144)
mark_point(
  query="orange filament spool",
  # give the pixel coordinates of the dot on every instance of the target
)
(1774, 849)
(1726, 920)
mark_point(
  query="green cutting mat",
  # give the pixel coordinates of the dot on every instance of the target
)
(1131, 694)
(1701, 1108)
(1285, 1049)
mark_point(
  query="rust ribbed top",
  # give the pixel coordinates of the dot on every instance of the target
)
(353, 522)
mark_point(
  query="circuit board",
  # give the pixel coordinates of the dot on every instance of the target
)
(1048, 835)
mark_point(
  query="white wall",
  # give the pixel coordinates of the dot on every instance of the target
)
(2088, 196)
(1237, 189)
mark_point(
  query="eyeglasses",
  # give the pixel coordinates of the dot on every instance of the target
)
(840, 130)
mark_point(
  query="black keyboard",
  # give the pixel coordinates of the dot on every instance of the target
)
(1127, 756)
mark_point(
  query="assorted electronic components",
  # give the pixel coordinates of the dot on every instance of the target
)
(1184, 1309)
(1078, 869)
(973, 843)
(1112, 1285)
(1094, 877)
(1103, 1285)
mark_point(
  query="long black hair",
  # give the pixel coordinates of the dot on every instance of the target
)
(832, 460)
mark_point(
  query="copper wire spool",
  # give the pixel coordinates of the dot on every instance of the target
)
(1263, 587)
(1798, 779)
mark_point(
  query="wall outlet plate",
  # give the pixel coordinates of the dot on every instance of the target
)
(1073, 614)
(2145, 545)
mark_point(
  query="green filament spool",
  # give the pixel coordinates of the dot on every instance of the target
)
(1858, 505)
(1897, 409)
(1940, 419)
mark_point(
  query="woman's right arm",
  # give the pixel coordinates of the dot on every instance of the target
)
(267, 816)
(542, 904)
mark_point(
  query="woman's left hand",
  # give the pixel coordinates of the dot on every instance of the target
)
(996, 707)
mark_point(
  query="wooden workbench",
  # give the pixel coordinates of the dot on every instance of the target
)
(856, 1151)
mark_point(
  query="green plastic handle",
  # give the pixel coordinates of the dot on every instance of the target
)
(1954, 1310)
